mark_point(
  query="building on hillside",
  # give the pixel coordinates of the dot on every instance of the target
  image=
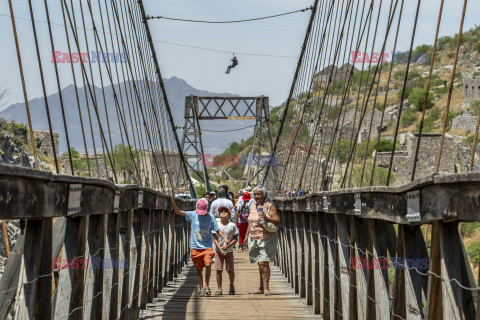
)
(427, 157)
(471, 89)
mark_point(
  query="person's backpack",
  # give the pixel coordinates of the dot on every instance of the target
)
(244, 212)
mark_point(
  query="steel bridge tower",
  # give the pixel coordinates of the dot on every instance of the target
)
(228, 108)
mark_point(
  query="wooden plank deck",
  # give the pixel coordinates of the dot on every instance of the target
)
(179, 299)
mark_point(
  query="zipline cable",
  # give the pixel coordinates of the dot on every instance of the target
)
(166, 42)
(232, 21)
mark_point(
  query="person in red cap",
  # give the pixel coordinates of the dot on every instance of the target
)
(243, 209)
(233, 65)
(201, 241)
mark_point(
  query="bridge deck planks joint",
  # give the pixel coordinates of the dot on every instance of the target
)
(179, 299)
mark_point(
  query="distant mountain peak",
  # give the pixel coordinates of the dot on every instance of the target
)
(177, 89)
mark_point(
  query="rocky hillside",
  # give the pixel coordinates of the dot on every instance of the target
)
(176, 88)
(461, 119)
(14, 150)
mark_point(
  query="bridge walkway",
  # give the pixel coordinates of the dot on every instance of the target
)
(179, 299)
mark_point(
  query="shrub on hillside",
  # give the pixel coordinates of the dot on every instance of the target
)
(417, 98)
(428, 124)
(343, 150)
(469, 228)
(473, 251)
(398, 75)
(391, 123)
(379, 106)
(474, 106)
(385, 145)
(408, 91)
(477, 47)
(469, 140)
(451, 115)
(422, 49)
(441, 91)
(408, 117)
(334, 113)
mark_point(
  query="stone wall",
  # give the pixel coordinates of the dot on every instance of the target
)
(427, 158)
(471, 88)
(465, 123)
(44, 142)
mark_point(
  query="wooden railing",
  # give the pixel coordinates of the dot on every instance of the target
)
(327, 239)
(88, 249)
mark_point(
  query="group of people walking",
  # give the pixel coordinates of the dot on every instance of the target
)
(219, 221)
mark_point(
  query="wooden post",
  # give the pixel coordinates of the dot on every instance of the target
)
(378, 300)
(170, 246)
(409, 285)
(5, 238)
(361, 247)
(300, 250)
(94, 284)
(10, 278)
(288, 245)
(329, 268)
(146, 219)
(316, 262)
(138, 241)
(126, 241)
(153, 291)
(165, 249)
(307, 244)
(342, 262)
(448, 261)
(113, 238)
(71, 284)
(353, 304)
(35, 295)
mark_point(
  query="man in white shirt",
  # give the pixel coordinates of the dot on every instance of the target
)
(222, 201)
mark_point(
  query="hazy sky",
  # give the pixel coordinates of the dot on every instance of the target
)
(205, 69)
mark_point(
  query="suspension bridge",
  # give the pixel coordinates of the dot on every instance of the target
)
(374, 233)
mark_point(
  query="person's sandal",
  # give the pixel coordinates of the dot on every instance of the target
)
(201, 293)
(208, 292)
(218, 293)
(232, 291)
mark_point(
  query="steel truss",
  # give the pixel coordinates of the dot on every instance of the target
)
(232, 108)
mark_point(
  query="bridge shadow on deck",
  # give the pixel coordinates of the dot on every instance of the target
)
(179, 299)
(173, 301)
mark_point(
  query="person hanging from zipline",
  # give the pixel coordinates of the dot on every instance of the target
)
(233, 65)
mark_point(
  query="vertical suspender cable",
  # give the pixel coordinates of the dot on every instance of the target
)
(292, 88)
(167, 104)
(20, 68)
(450, 90)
